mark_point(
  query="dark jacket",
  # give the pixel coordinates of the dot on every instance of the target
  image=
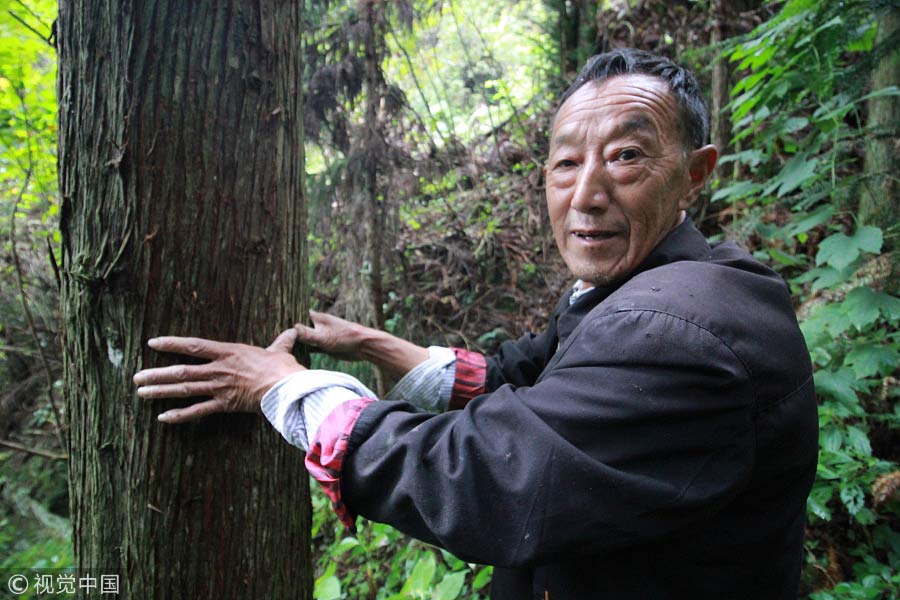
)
(664, 450)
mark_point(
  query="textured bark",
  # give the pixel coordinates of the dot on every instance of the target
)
(880, 202)
(720, 133)
(374, 199)
(181, 168)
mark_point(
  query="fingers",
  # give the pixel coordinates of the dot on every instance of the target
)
(173, 374)
(193, 412)
(284, 342)
(186, 389)
(189, 346)
(308, 335)
(319, 317)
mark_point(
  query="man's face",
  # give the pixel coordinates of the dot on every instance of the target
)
(618, 175)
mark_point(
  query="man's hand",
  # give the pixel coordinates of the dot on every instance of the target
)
(236, 379)
(335, 336)
(351, 341)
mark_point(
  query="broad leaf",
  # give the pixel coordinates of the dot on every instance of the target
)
(450, 586)
(837, 384)
(859, 440)
(421, 577)
(870, 359)
(483, 577)
(853, 498)
(839, 250)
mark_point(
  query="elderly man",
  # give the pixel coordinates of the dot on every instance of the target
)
(658, 440)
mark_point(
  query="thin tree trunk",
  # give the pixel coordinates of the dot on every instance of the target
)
(720, 123)
(181, 169)
(375, 203)
(880, 202)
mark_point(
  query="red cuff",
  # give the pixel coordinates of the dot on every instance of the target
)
(471, 371)
(325, 457)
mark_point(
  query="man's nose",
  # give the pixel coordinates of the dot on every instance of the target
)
(591, 192)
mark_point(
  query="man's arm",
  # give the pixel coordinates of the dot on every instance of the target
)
(618, 445)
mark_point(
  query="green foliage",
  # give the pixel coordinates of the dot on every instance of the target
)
(469, 65)
(800, 106)
(380, 562)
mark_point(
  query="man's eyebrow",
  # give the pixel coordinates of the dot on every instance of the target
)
(563, 138)
(640, 124)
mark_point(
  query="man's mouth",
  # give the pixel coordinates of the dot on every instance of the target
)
(593, 235)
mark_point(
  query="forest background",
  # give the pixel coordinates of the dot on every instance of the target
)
(427, 218)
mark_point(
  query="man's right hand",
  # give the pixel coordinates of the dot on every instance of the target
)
(335, 336)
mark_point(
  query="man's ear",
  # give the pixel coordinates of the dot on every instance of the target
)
(701, 163)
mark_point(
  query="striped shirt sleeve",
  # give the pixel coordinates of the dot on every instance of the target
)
(429, 384)
(298, 404)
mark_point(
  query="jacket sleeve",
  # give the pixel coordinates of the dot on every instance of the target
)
(521, 362)
(643, 427)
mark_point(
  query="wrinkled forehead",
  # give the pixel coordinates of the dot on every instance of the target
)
(631, 102)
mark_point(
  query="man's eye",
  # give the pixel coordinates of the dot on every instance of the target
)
(629, 154)
(565, 163)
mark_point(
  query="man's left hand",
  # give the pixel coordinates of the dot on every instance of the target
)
(236, 379)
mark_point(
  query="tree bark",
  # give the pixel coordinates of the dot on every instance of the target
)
(372, 140)
(721, 124)
(880, 201)
(181, 174)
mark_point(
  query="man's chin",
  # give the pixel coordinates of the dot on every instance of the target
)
(596, 276)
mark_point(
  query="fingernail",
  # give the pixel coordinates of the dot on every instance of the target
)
(153, 342)
(166, 416)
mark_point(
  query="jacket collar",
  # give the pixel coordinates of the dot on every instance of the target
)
(684, 242)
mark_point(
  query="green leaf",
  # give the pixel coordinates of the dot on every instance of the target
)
(794, 124)
(795, 173)
(818, 500)
(421, 577)
(837, 384)
(831, 439)
(832, 318)
(747, 157)
(813, 219)
(865, 517)
(853, 498)
(327, 586)
(450, 586)
(839, 250)
(739, 190)
(823, 277)
(888, 305)
(785, 259)
(859, 440)
(862, 306)
(483, 578)
(891, 90)
(870, 359)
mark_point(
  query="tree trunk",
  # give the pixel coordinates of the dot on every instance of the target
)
(181, 170)
(720, 123)
(880, 202)
(372, 140)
